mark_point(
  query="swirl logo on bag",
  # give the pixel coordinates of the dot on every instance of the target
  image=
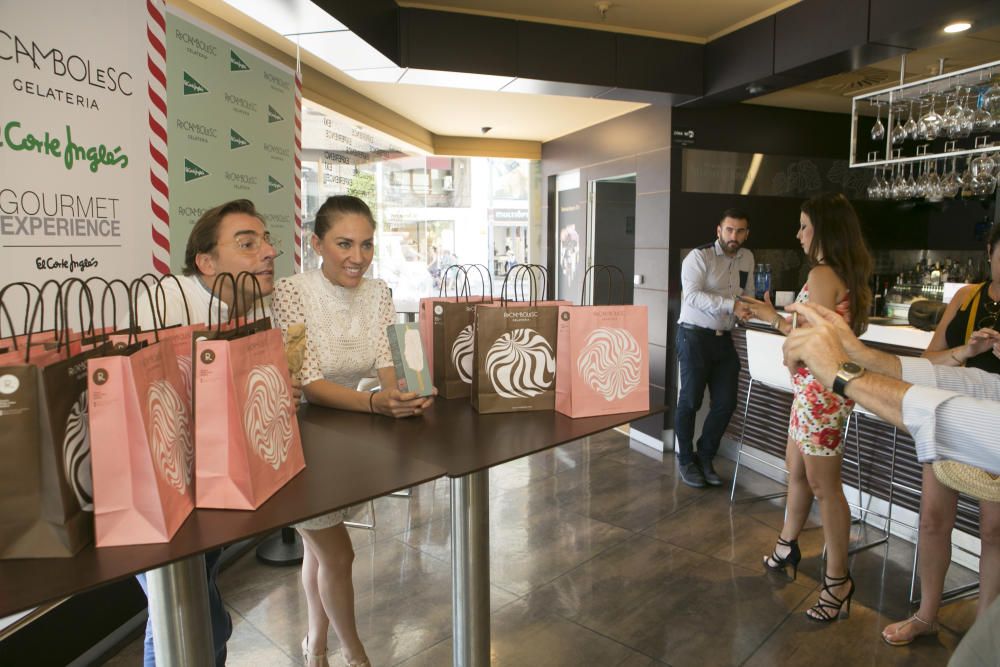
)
(521, 364)
(461, 354)
(170, 435)
(184, 363)
(76, 454)
(266, 417)
(610, 363)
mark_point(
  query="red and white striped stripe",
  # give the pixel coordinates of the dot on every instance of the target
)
(159, 201)
(298, 162)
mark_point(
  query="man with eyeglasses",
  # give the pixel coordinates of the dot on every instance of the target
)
(230, 238)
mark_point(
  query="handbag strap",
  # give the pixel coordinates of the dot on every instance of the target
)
(974, 301)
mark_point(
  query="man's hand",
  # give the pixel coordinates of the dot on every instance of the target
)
(818, 347)
(818, 313)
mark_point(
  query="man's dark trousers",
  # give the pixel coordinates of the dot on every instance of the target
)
(706, 359)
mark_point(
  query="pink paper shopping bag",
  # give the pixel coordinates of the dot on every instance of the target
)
(602, 364)
(247, 441)
(142, 447)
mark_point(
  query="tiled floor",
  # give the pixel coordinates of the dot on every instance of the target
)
(600, 556)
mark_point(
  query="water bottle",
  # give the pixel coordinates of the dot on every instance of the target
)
(762, 281)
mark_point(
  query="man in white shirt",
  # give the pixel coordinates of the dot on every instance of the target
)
(951, 413)
(713, 277)
(226, 239)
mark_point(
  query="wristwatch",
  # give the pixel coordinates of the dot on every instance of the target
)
(848, 371)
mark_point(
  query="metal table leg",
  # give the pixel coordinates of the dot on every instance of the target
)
(470, 570)
(178, 607)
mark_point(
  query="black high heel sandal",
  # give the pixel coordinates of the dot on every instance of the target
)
(826, 611)
(791, 558)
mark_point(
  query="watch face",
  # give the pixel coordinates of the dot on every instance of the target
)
(850, 367)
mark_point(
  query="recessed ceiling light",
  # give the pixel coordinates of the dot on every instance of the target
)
(958, 26)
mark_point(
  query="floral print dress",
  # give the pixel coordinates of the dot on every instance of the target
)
(818, 416)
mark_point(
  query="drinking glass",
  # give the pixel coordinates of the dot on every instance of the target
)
(991, 101)
(899, 184)
(953, 116)
(982, 119)
(932, 186)
(878, 129)
(898, 132)
(911, 126)
(911, 185)
(950, 183)
(930, 123)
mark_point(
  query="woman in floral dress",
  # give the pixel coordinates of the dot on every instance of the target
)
(830, 235)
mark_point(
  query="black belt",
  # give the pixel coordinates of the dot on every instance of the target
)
(703, 330)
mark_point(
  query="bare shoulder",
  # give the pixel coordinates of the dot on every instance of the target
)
(965, 293)
(821, 274)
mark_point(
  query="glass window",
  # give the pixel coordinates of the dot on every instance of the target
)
(431, 211)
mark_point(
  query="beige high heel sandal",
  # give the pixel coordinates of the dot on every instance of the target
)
(313, 659)
(931, 628)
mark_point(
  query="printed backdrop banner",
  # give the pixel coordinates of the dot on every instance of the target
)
(231, 117)
(74, 148)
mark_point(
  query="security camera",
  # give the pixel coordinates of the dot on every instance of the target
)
(486, 129)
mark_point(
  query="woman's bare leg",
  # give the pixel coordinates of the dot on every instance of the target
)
(335, 556)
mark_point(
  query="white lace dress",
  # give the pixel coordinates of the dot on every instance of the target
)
(346, 337)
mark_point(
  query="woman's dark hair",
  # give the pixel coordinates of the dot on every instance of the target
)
(837, 237)
(205, 233)
(337, 206)
(993, 239)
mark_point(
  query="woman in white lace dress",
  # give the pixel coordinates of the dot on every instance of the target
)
(346, 316)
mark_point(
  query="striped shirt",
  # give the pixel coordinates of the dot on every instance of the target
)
(711, 280)
(953, 413)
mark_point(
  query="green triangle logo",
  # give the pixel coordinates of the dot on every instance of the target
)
(236, 64)
(236, 140)
(273, 116)
(192, 172)
(273, 185)
(192, 86)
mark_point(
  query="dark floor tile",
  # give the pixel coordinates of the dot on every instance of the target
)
(678, 606)
(523, 635)
(630, 496)
(530, 544)
(853, 641)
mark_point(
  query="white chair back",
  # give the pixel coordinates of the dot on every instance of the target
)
(765, 360)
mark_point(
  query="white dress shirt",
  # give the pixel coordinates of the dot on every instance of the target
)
(711, 280)
(201, 305)
(953, 413)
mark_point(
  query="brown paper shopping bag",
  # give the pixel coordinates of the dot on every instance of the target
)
(514, 357)
(46, 493)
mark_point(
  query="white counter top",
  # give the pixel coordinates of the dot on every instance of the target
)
(903, 335)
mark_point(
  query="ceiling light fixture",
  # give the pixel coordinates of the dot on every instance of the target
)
(602, 8)
(958, 26)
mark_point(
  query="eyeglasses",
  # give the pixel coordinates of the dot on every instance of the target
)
(251, 243)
